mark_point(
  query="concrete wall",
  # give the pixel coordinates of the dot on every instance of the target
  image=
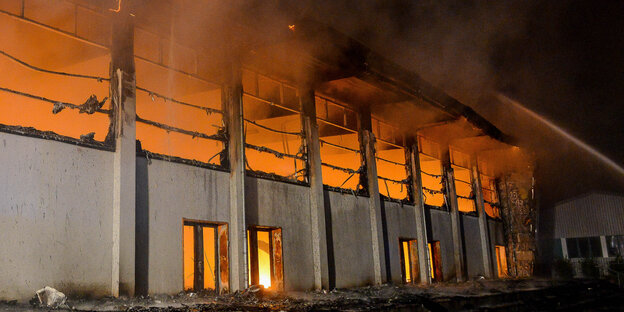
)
(55, 217)
(399, 222)
(472, 246)
(439, 229)
(350, 236)
(167, 192)
(287, 206)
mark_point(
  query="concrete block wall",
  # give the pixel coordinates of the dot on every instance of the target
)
(55, 217)
(287, 206)
(167, 193)
(439, 229)
(399, 223)
(472, 246)
(350, 239)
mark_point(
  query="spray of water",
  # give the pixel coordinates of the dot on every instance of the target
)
(564, 134)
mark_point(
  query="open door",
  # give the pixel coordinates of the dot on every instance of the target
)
(501, 261)
(265, 257)
(435, 261)
(409, 261)
(203, 261)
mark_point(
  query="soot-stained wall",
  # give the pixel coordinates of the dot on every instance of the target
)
(472, 245)
(350, 237)
(167, 193)
(287, 206)
(399, 222)
(439, 229)
(55, 216)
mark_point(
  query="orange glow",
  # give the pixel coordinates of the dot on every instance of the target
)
(291, 27)
(188, 251)
(210, 265)
(406, 261)
(391, 171)
(264, 259)
(183, 88)
(432, 166)
(431, 262)
(501, 261)
(463, 181)
(51, 50)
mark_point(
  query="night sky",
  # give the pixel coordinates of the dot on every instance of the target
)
(562, 59)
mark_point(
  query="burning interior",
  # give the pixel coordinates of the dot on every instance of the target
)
(328, 144)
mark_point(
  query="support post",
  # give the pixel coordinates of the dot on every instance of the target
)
(232, 97)
(419, 211)
(123, 99)
(317, 199)
(367, 142)
(484, 234)
(455, 228)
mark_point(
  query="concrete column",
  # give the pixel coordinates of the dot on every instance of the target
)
(484, 234)
(123, 99)
(419, 211)
(232, 97)
(564, 248)
(367, 143)
(603, 245)
(458, 255)
(317, 199)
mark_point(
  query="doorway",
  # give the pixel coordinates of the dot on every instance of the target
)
(435, 261)
(501, 261)
(409, 261)
(205, 264)
(264, 256)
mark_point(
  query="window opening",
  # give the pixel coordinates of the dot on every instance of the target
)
(491, 203)
(274, 140)
(615, 245)
(391, 162)
(501, 261)
(460, 162)
(54, 84)
(341, 158)
(179, 114)
(584, 247)
(435, 261)
(409, 261)
(264, 257)
(431, 173)
(203, 259)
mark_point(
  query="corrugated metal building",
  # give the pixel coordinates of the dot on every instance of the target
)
(590, 226)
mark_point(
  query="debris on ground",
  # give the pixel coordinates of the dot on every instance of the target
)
(50, 297)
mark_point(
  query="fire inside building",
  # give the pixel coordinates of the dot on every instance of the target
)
(141, 157)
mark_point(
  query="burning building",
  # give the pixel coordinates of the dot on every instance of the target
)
(146, 150)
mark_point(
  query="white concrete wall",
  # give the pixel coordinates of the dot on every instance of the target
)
(176, 191)
(55, 216)
(351, 233)
(287, 206)
(400, 223)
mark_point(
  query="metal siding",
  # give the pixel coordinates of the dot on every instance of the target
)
(591, 215)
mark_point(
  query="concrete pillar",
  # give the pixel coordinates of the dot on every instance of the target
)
(564, 248)
(367, 143)
(484, 234)
(419, 211)
(317, 199)
(458, 254)
(232, 97)
(123, 99)
(603, 245)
